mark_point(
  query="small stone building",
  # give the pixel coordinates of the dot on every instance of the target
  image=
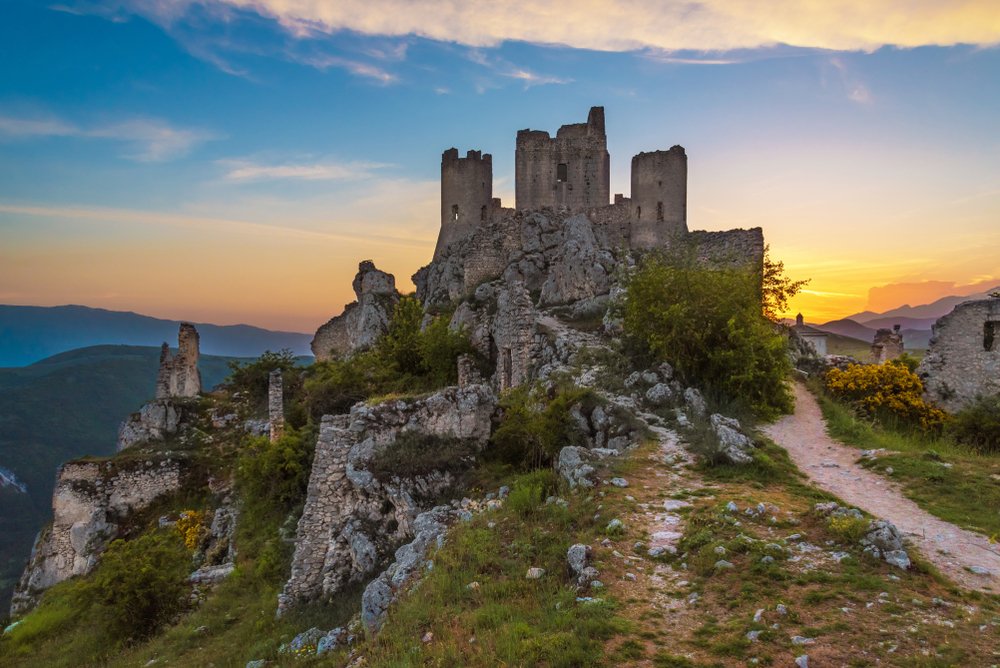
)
(812, 337)
(963, 360)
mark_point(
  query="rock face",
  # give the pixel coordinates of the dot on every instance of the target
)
(179, 375)
(363, 321)
(154, 422)
(352, 518)
(89, 501)
(733, 443)
(963, 360)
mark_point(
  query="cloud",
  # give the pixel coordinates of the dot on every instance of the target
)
(355, 67)
(243, 171)
(854, 88)
(148, 139)
(508, 70)
(624, 25)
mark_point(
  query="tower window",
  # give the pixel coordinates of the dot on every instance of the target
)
(638, 212)
(454, 212)
(482, 213)
(989, 334)
(562, 172)
(659, 212)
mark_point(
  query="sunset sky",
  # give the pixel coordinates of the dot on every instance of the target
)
(232, 161)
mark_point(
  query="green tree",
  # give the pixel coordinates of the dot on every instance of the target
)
(777, 289)
(710, 326)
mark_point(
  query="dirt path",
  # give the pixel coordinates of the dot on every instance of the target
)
(832, 466)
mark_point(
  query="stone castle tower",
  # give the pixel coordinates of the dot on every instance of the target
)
(572, 170)
(568, 172)
(179, 375)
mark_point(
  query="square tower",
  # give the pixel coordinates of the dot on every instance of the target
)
(571, 170)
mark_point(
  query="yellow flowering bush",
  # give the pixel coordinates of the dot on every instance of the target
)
(847, 529)
(885, 390)
(191, 526)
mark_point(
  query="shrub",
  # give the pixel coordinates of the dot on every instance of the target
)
(414, 453)
(848, 530)
(141, 584)
(530, 491)
(889, 393)
(252, 378)
(275, 474)
(191, 526)
(710, 326)
(978, 425)
(536, 427)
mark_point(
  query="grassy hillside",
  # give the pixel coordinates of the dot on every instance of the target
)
(58, 409)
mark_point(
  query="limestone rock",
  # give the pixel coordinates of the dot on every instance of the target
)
(154, 422)
(573, 466)
(363, 321)
(733, 443)
(579, 269)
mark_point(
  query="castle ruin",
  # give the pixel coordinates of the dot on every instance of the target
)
(570, 173)
(179, 375)
(887, 345)
(963, 360)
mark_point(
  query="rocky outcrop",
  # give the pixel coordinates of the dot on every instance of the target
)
(178, 375)
(89, 502)
(963, 360)
(363, 321)
(353, 517)
(153, 422)
(734, 445)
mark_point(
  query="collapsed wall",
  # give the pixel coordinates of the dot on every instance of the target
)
(89, 502)
(354, 518)
(179, 375)
(963, 360)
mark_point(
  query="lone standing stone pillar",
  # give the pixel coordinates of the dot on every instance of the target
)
(276, 405)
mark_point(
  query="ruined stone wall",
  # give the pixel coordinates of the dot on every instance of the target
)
(275, 405)
(570, 170)
(659, 197)
(179, 375)
(887, 345)
(963, 360)
(466, 195)
(729, 249)
(89, 501)
(351, 519)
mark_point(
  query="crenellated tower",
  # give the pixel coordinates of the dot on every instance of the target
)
(466, 195)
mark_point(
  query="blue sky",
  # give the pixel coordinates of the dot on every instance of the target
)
(233, 160)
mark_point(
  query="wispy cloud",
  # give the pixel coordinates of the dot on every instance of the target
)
(853, 87)
(242, 171)
(147, 139)
(506, 69)
(355, 67)
(622, 25)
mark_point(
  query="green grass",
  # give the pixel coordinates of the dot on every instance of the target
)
(944, 478)
(508, 619)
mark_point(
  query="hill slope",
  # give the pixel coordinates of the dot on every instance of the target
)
(31, 333)
(58, 409)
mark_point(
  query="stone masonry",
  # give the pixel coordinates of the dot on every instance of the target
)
(89, 501)
(963, 360)
(275, 405)
(179, 375)
(352, 519)
(887, 345)
(362, 322)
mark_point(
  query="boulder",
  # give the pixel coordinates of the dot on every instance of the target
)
(734, 445)
(363, 321)
(573, 466)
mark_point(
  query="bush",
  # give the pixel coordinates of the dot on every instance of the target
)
(848, 530)
(889, 393)
(275, 475)
(536, 427)
(414, 453)
(710, 326)
(141, 584)
(530, 491)
(978, 425)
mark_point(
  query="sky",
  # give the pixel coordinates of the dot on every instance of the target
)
(231, 161)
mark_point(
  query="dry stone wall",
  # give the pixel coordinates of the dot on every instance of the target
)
(963, 360)
(89, 501)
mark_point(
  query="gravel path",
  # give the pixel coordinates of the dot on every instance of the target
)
(832, 466)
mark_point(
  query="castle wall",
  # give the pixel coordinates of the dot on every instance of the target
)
(963, 360)
(179, 375)
(571, 170)
(466, 195)
(659, 197)
(730, 249)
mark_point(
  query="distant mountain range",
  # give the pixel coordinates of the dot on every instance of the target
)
(32, 333)
(58, 409)
(915, 321)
